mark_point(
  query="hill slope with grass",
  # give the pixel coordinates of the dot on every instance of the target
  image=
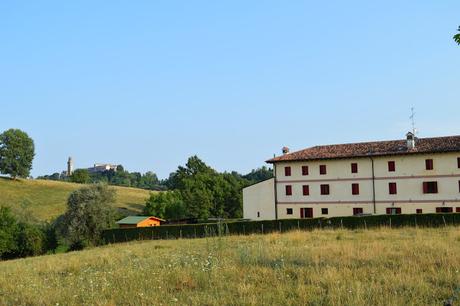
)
(406, 266)
(45, 200)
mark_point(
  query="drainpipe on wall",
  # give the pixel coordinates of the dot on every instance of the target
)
(276, 192)
(373, 185)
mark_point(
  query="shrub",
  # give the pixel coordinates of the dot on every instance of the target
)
(30, 241)
(262, 227)
(8, 233)
(89, 212)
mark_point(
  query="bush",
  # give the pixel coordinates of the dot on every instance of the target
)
(262, 227)
(89, 212)
(31, 240)
(9, 229)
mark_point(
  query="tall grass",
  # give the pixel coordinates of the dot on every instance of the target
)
(405, 266)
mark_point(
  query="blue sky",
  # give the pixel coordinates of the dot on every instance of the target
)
(149, 83)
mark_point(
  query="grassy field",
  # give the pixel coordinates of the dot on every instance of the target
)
(46, 200)
(375, 267)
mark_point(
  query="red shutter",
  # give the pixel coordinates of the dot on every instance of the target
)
(388, 211)
(391, 166)
(435, 187)
(398, 210)
(302, 213)
(304, 170)
(324, 189)
(355, 189)
(322, 169)
(457, 209)
(288, 190)
(438, 209)
(354, 168)
(287, 171)
(392, 188)
(458, 162)
(306, 190)
(429, 164)
(425, 187)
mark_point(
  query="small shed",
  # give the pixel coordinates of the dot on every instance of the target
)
(139, 221)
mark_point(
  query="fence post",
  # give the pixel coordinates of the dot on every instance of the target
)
(262, 228)
(180, 234)
(390, 222)
(341, 223)
(195, 231)
(167, 235)
(279, 225)
(244, 230)
(365, 225)
(298, 225)
(444, 220)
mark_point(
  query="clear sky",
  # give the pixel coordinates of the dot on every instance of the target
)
(149, 83)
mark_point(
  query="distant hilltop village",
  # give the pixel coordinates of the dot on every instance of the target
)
(97, 168)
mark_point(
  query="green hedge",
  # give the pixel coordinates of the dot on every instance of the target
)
(262, 227)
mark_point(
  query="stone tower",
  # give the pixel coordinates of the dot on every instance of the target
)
(69, 166)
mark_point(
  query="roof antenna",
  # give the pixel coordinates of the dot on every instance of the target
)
(412, 117)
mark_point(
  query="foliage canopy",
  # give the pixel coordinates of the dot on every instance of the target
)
(17, 152)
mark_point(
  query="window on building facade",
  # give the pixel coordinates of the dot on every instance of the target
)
(428, 164)
(444, 210)
(391, 166)
(458, 186)
(304, 170)
(324, 211)
(392, 188)
(393, 211)
(288, 211)
(357, 211)
(430, 187)
(419, 211)
(458, 162)
(457, 209)
(322, 169)
(288, 190)
(258, 214)
(355, 189)
(354, 168)
(306, 190)
(324, 189)
(287, 171)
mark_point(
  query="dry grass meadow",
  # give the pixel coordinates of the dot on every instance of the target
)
(406, 266)
(45, 200)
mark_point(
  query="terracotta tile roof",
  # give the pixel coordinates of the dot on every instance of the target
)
(377, 148)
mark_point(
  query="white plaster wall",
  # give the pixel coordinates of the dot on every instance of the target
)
(259, 198)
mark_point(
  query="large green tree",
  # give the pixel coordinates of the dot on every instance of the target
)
(457, 37)
(17, 152)
(80, 176)
(89, 212)
(206, 192)
(167, 205)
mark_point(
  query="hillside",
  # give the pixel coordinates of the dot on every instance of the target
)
(46, 200)
(405, 266)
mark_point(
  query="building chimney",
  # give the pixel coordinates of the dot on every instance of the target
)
(410, 141)
(285, 150)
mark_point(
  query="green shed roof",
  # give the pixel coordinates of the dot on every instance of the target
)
(135, 219)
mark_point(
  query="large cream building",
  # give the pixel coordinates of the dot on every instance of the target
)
(415, 175)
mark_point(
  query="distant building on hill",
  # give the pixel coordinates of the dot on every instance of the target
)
(69, 167)
(102, 168)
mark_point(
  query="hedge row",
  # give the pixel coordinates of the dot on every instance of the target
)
(262, 227)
